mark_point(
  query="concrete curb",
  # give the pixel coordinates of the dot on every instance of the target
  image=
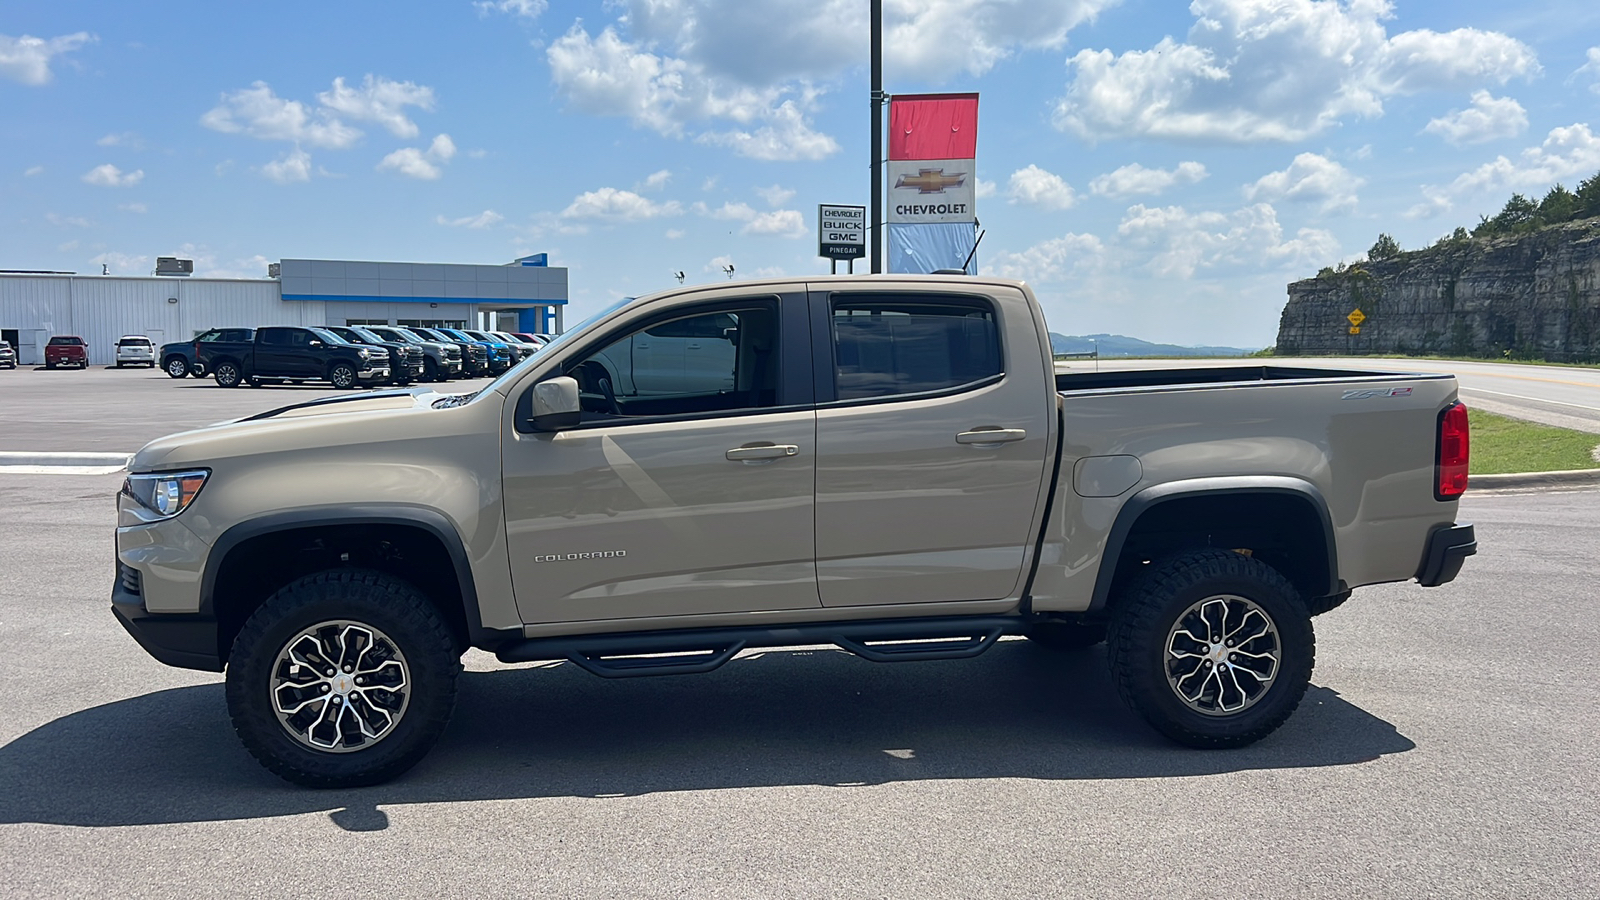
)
(71, 459)
(1534, 479)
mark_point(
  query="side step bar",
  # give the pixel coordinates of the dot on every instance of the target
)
(690, 652)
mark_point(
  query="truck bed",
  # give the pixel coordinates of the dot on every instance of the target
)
(1146, 378)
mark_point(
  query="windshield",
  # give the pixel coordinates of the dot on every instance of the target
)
(328, 336)
(366, 335)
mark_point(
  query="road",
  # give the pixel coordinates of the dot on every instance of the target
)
(1567, 396)
(1447, 748)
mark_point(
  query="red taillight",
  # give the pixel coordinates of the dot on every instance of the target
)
(1454, 449)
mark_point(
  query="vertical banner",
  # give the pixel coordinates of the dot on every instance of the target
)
(932, 182)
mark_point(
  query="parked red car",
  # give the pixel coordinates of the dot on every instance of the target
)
(66, 350)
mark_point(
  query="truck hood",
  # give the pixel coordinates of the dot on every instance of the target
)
(327, 421)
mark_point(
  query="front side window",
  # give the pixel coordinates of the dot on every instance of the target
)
(706, 362)
(885, 346)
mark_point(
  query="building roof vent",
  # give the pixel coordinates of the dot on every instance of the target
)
(171, 265)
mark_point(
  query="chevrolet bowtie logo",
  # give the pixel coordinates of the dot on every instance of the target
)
(931, 181)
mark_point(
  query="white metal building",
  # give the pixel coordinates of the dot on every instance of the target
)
(102, 308)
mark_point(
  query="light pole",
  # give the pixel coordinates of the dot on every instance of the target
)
(874, 233)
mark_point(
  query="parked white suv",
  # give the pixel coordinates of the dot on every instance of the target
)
(135, 350)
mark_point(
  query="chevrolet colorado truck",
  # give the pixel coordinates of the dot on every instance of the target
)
(886, 463)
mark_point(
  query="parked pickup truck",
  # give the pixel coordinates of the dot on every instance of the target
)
(892, 465)
(293, 354)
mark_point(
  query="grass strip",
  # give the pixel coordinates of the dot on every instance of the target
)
(1501, 444)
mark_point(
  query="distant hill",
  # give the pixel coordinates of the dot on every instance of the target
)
(1121, 345)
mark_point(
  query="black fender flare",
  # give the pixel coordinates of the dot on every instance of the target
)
(1155, 495)
(422, 517)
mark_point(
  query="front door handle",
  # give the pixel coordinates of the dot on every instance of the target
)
(982, 436)
(762, 451)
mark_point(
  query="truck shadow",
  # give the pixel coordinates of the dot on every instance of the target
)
(788, 717)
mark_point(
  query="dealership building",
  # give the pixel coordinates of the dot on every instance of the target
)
(525, 295)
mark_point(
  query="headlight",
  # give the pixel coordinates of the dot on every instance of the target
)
(166, 494)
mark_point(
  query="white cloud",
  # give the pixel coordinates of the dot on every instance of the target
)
(485, 219)
(1049, 260)
(775, 195)
(1310, 179)
(1134, 179)
(110, 176)
(259, 113)
(1487, 119)
(522, 9)
(982, 189)
(673, 234)
(123, 263)
(611, 205)
(719, 264)
(67, 221)
(1590, 70)
(122, 139)
(782, 222)
(425, 165)
(655, 181)
(786, 137)
(133, 207)
(1176, 242)
(1276, 71)
(1034, 186)
(379, 100)
(32, 171)
(609, 76)
(27, 58)
(289, 168)
(1572, 151)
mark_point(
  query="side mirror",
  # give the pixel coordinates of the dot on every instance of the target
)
(731, 335)
(314, 343)
(555, 404)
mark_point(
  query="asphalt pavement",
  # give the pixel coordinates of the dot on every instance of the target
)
(1447, 748)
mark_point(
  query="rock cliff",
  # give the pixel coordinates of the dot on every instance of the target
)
(1535, 295)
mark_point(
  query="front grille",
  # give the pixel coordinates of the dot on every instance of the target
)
(452, 353)
(130, 578)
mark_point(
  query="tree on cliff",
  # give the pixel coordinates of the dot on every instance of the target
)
(1518, 215)
(1588, 197)
(1385, 248)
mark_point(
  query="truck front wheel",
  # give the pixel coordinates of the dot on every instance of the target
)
(342, 679)
(1212, 648)
(342, 375)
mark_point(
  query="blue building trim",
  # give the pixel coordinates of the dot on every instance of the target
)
(343, 298)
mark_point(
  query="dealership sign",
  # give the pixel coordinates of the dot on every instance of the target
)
(925, 191)
(841, 231)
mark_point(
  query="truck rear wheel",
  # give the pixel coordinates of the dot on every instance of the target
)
(227, 374)
(342, 679)
(1212, 648)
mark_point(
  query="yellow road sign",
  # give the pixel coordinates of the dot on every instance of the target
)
(1356, 318)
(1355, 329)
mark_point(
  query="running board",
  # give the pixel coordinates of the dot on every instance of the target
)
(637, 654)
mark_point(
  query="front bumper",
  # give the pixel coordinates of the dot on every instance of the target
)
(1447, 548)
(184, 640)
(376, 373)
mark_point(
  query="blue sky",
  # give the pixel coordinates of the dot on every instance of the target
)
(1152, 169)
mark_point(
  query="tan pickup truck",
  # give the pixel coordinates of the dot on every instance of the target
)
(889, 464)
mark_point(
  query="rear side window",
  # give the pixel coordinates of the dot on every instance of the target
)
(885, 346)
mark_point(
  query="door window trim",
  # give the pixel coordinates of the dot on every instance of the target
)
(825, 351)
(794, 371)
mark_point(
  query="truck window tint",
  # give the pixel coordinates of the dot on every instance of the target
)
(883, 348)
(279, 337)
(708, 362)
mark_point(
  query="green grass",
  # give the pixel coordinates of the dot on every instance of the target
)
(1501, 444)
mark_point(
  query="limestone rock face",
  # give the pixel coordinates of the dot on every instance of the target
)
(1534, 295)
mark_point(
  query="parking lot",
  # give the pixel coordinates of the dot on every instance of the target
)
(1446, 748)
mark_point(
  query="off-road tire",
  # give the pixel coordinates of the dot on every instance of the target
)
(342, 376)
(1066, 635)
(1143, 620)
(227, 374)
(375, 600)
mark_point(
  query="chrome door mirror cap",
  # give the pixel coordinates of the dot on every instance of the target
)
(555, 404)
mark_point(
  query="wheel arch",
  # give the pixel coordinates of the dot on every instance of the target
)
(247, 563)
(1213, 507)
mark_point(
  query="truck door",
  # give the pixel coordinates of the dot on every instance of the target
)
(671, 503)
(932, 431)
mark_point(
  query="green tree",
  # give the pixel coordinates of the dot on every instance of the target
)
(1385, 248)
(1518, 215)
(1588, 196)
(1560, 205)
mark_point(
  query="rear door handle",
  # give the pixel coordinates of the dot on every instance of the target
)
(991, 436)
(762, 451)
